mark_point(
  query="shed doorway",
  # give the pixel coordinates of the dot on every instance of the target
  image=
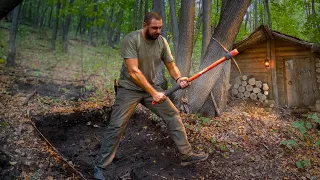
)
(298, 86)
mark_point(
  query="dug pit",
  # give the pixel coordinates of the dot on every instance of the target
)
(146, 150)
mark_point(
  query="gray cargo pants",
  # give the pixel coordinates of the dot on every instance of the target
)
(123, 108)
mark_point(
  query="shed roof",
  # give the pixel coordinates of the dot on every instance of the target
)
(263, 32)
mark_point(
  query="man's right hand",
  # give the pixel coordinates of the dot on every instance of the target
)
(159, 97)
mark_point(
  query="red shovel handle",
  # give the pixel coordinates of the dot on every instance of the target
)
(216, 63)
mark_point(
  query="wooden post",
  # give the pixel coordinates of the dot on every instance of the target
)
(273, 64)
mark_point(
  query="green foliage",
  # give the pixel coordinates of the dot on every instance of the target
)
(302, 164)
(317, 144)
(300, 125)
(290, 143)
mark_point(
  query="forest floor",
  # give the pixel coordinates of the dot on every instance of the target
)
(54, 108)
(244, 143)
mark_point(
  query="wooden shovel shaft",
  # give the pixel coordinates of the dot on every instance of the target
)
(221, 60)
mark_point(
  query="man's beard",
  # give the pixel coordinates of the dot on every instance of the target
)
(149, 36)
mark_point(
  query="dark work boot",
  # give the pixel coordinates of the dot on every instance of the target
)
(98, 173)
(194, 159)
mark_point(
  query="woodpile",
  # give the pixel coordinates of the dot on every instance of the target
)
(247, 87)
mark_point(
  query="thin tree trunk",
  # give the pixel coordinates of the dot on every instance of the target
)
(118, 30)
(255, 11)
(314, 14)
(174, 26)
(140, 15)
(267, 11)
(50, 16)
(7, 6)
(198, 24)
(217, 80)
(111, 30)
(206, 33)
(36, 15)
(65, 31)
(146, 7)
(135, 22)
(12, 41)
(91, 29)
(55, 26)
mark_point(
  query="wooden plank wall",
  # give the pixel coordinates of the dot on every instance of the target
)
(251, 62)
(286, 50)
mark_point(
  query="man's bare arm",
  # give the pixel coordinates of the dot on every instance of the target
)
(176, 75)
(140, 80)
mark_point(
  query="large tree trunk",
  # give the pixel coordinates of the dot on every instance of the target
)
(206, 31)
(174, 26)
(217, 80)
(159, 7)
(118, 29)
(7, 5)
(55, 27)
(12, 41)
(186, 33)
(135, 22)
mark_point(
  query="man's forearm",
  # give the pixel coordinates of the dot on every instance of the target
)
(140, 80)
(173, 71)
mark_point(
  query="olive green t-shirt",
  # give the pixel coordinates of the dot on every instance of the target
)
(149, 55)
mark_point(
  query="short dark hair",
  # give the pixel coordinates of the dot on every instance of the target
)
(151, 15)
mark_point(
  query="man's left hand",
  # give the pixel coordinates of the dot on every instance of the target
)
(183, 82)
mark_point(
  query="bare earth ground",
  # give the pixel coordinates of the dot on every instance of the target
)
(244, 143)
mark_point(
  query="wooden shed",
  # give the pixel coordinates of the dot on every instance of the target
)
(293, 74)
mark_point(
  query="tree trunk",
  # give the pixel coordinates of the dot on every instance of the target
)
(36, 17)
(186, 34)
(255, 11)
(146, 7)
(50, 16)
(217, 80)
(140, 15)
(91, 29)
(267, 11)
(7, 5)
(111, 29)
(135, 15)
(65, 31)
(159, 7)
(55, 26)
(174, 26)
(206, 31)
(198, 24)
(118, 30)
(12, 41)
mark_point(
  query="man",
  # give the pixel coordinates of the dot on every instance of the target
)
(142, 51)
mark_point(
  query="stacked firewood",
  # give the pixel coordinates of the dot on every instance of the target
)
(247, 87)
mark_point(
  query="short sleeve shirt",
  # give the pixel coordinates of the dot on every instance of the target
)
(149, 55)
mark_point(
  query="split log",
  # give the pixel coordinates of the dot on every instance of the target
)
(247, 94)
(318, 60)
(263, 97)
(266, 93)
(252, 81)
(318, 64)
(256, 90)
(259, 95)
(234, 91)
(240, 95)
(318, 76)
(249, 88)
(261, 100)
(318, 70)
(265, 87)
(236, 86)
(253, 96)
(244, 83)
(244, 77)
(258, 84)
(241, 89)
